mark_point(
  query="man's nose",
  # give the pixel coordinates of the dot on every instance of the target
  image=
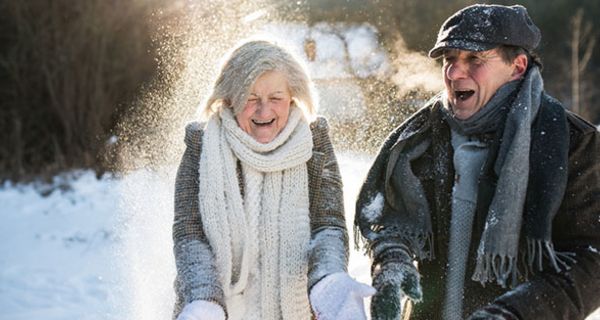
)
(456, 70)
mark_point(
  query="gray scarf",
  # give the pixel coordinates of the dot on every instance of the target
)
(498, 249)
(499, 246)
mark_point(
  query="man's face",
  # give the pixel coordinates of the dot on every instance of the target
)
(471, 78)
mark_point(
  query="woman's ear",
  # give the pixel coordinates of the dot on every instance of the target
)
(520, 64)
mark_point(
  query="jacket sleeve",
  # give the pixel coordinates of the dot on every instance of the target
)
(573, 294)
(196, 277)
(329, 235)
(374, 222)
(380, 236)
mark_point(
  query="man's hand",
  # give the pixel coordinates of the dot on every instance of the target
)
(394, 278)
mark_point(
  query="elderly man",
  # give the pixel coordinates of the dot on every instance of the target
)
(492, 187)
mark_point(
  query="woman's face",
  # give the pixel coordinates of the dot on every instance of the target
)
(268, 107)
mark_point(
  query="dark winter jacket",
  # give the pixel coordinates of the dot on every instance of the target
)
(196, 272)
(576, 228)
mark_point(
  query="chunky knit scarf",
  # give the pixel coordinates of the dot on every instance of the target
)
(260, 242)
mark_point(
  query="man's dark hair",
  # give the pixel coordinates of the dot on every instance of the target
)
(509, 53)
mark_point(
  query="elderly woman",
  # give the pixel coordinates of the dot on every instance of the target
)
(259, 229)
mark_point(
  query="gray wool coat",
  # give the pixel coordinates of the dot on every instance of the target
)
(197, 278)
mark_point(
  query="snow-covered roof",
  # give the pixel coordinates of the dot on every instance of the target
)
(334, 50)
(336, 55)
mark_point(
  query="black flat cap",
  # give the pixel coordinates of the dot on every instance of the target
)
(483, 27)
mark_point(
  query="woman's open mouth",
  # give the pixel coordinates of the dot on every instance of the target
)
(263, 123)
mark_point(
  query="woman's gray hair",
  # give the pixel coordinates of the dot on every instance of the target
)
(248, 62)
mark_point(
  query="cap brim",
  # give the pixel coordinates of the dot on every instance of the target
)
(460, 44)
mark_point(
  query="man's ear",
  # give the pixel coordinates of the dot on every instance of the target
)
(520, 64)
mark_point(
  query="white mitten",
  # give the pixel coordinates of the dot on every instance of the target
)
(339, 297)
(202, 310)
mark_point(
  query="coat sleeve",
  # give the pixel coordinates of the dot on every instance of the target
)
(573, 294)
(329, 236)
(374, 223)
(196, 277)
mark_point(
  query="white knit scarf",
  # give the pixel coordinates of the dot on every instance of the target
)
(260, 242)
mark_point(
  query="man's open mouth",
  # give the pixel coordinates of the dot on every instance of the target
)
(263, 122)
(463, 94)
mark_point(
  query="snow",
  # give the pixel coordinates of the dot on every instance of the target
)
(366, 56)
(373, 210)
(57, 251)
(90, 249)
(353, 168)
(101, 248)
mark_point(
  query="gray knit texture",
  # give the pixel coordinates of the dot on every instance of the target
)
(469, 157)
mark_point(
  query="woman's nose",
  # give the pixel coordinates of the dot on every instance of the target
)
(262, 107)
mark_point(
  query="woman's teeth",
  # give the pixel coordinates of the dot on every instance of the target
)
(263, 122)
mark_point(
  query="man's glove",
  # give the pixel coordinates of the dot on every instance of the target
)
(394, 277)
(339, 297)
(202, 310)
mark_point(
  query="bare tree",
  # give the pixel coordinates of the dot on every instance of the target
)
(582, 39)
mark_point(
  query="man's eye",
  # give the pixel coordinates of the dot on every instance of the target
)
(449, 59)
(252, 100)
(476, 60)
(275, 99)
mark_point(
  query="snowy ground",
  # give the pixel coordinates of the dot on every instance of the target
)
(101, 249)
(84, 248)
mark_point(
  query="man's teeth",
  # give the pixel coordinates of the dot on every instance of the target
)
(464, 94)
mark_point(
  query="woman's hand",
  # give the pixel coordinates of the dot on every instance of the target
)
(339, 297)
(202, 310)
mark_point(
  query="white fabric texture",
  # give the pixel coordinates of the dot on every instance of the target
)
(260, 242)
(339, 297)
(202, 310)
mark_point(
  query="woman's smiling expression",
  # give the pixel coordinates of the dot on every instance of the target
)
(267, 108)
